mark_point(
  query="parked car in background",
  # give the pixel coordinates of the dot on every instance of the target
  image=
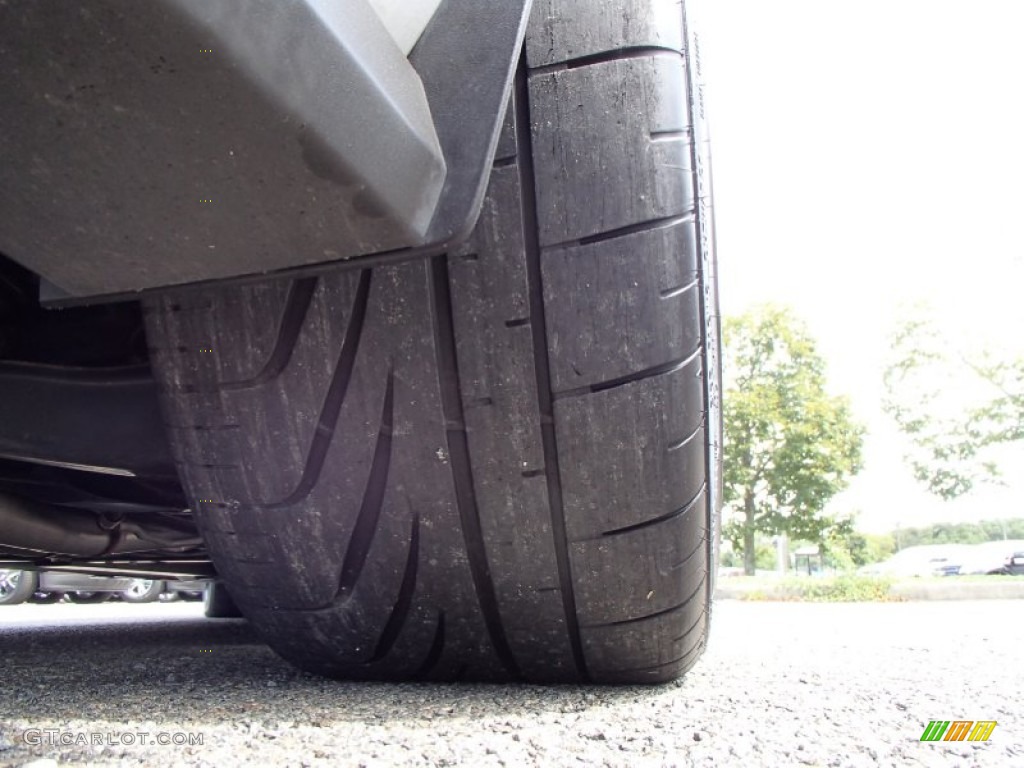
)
(1015, 567)
(51, 586)
(151, 590)
(184, 589)
(924, 560)
(994, 557)
(18, 586)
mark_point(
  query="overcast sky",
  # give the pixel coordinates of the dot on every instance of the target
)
(869, 155)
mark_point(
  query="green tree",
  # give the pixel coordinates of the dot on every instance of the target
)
(863, 548)
(956, 409)
(765, 555)
(789, 445)
(962, 533)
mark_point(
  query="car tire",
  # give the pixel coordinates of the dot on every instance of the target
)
(143, 591)
(89, 598)
(17, 586)
(47, 598)
(218, 603)
(501, 463)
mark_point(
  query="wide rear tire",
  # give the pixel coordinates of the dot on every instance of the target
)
(501, 463)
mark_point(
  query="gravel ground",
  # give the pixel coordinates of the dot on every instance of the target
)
(781, 684)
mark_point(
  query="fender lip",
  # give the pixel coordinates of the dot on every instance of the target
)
(286, 218)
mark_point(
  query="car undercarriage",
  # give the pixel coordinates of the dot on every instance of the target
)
(87, 479)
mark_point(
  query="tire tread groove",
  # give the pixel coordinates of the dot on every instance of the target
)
(657, 614)
(300, 296)
(403, 603)
(542, 365)
(461, 464)
(368, 519)
(333, 400)
(683, 510)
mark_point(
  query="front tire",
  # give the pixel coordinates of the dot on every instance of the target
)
(495, 464)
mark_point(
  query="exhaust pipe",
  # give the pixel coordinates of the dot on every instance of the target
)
(48, 529)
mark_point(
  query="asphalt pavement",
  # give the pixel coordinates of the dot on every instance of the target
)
(781, 684)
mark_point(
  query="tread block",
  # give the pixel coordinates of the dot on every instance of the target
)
(643, 571)
(628, 671)
(597, 166)
(244, 322)
(621, 305)
(613, 452)
(344, 641)
(662, 646)
(489, 289)
(562, 30)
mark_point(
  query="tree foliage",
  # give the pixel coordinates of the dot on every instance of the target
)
(960, 533)
(765, 555)
(864, 548)
(790, 446)
(954, 408)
